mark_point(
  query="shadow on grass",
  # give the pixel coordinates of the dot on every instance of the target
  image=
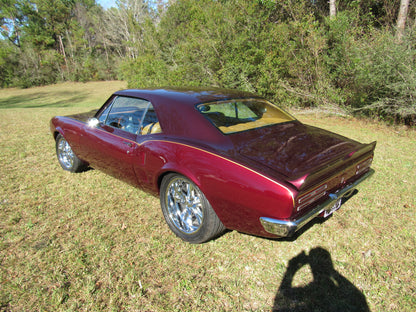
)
(329, 290)
(43, 99)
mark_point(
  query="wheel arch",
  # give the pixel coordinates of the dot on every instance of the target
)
(185, 173)
(56, 133)
(161, 177)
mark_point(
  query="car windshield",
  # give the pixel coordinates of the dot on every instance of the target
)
(243, 114)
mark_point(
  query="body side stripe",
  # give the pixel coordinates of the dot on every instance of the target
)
(226, 159)
(205, 151)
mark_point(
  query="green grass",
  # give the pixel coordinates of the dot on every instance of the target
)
(69, 94)
(87, 242)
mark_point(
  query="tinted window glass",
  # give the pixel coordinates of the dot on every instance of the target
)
(103, 116)
(241, 115)
(129, 114)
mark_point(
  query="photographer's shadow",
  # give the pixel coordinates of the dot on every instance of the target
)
(329, 290)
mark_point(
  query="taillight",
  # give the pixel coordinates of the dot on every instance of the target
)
(310, 197)
(363, 166)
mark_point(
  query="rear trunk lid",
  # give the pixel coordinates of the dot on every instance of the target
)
(303, 154)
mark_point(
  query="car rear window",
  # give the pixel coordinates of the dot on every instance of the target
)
(243, 114)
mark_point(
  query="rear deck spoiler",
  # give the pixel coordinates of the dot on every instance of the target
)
(339, 164)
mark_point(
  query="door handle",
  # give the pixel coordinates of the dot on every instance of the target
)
(129, 144)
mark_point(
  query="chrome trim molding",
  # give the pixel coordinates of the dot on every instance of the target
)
(286, 228)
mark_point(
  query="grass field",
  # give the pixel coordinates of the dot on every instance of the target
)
(87, 242)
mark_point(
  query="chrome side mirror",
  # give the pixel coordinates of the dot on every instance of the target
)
(93, 122)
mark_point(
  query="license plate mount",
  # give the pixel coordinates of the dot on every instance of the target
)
(335, 207)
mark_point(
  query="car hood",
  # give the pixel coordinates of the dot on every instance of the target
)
(83, 116)
(293, 149)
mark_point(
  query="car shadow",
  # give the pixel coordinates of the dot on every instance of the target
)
(328, 291)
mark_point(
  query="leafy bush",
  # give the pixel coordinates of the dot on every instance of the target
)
(37, 68)
(288, 51)
(374, 70)
(8, 63)
(385, 74)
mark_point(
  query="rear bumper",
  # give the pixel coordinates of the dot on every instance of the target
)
(285, 228)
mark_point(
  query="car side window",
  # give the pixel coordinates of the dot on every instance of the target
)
(103, 116)
(130, 114)
(150, 123)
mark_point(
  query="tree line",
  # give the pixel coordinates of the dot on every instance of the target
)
(354, 54)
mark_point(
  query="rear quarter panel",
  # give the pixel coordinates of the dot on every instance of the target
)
(238, 194)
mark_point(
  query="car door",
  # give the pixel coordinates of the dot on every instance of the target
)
(111, 146)
(148, 162)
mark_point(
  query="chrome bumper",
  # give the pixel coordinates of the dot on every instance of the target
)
(284, 228)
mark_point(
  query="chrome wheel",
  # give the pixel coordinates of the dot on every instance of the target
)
(187, 211)
(184, 205)
(67, 158)
(65, 154)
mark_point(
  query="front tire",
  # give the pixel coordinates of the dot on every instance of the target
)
(187, 211)
(66, 157)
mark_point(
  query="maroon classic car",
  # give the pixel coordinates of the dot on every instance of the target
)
(218, 159)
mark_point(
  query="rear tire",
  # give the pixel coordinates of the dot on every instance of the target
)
(66, 157)
(187, 211)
